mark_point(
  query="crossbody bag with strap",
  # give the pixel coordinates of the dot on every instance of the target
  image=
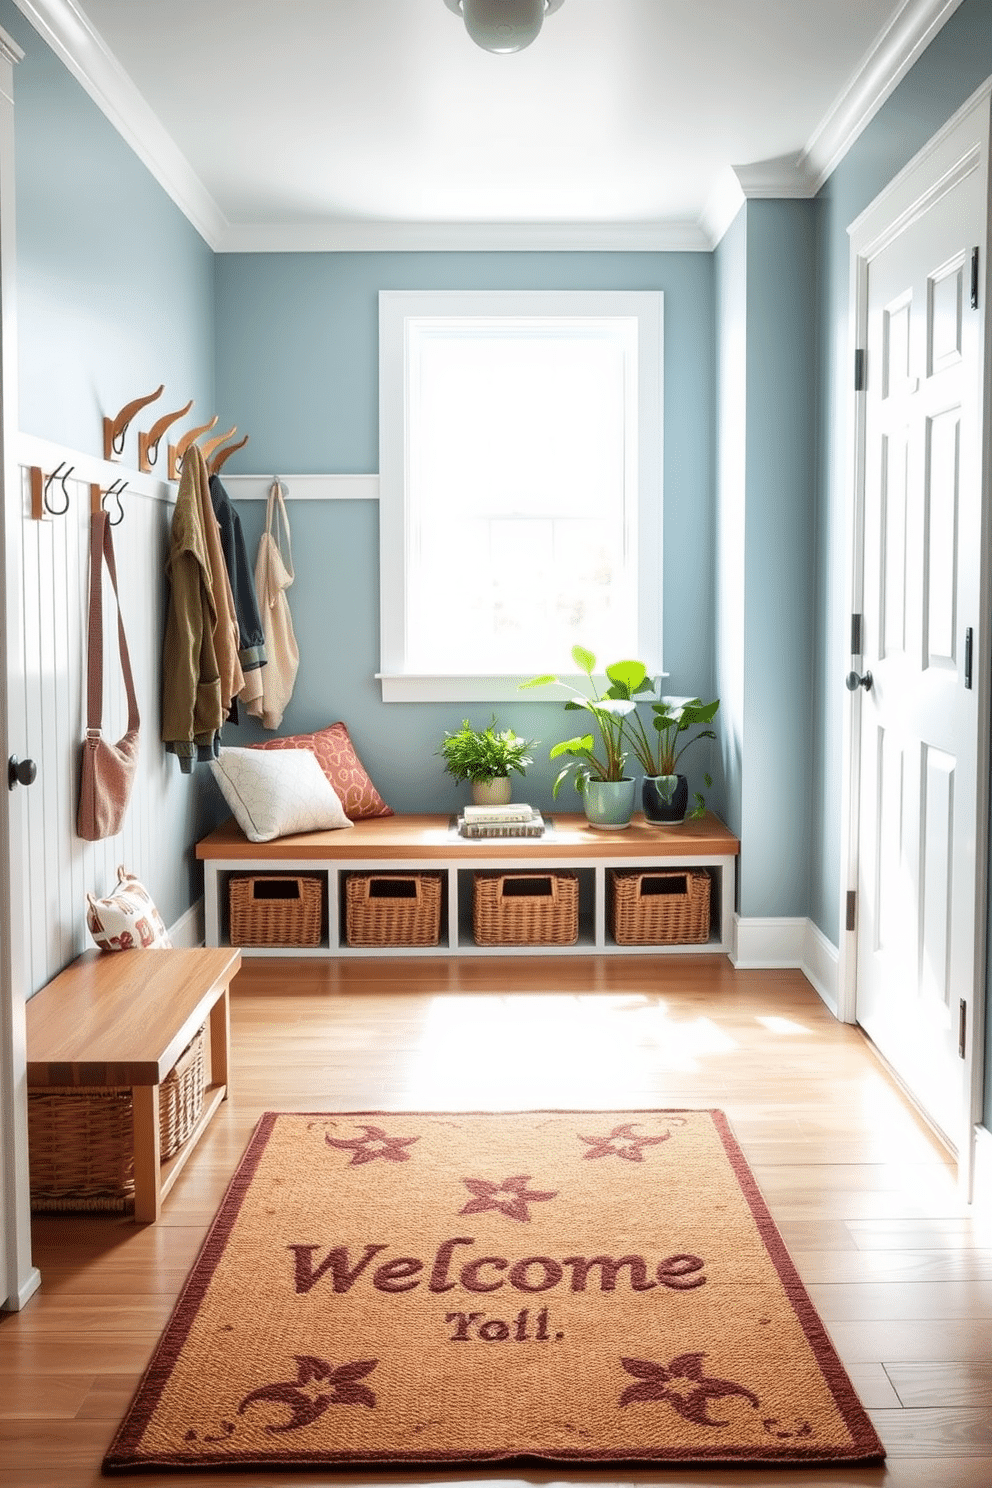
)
(108, 770)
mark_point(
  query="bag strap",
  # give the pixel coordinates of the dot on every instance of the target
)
(277, 508)
(102, 548)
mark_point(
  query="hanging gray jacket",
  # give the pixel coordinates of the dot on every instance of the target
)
(252, 644)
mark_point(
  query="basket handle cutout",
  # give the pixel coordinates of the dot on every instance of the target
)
(276, 888)
(394, 888)
(543, 887)
(663, 883)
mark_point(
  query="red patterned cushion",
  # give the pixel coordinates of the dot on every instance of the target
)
(337, 758)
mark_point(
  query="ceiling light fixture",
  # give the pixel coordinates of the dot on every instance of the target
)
(503, 25)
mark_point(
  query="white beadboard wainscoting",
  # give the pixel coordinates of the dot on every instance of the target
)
(60, 868)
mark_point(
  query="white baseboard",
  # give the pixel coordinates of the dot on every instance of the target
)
(760, 944)
(24, 1293)
(189, 931)
(981, 1183)
(821, 966)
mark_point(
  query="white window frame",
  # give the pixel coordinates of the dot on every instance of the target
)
(396, 308)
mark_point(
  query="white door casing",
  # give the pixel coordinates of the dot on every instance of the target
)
(18, 1277)
(917, 766)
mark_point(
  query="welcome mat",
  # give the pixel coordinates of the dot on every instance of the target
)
(581, 1286)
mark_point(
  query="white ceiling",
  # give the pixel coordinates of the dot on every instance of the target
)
(357, 123)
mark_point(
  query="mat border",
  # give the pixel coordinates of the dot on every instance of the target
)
(121, 1455)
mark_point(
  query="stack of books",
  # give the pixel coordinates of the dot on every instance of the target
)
(500, 821)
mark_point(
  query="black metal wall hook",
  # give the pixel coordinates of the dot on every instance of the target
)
(61, 476)
(116, 491)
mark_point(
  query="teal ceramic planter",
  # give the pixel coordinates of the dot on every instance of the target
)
(609, 803)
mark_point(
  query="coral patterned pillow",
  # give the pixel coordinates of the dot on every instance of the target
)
(127, 919)
(337, 758)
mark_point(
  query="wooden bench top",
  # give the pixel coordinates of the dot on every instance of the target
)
(122, 1018)
(423, 837)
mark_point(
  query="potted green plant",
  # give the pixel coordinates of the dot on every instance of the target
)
(665, 791)
(485, 757)
(597, 759)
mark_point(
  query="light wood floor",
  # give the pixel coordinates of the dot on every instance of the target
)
(899, 1269)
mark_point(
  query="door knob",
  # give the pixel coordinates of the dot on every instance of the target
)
(854, 681)
(20, 772)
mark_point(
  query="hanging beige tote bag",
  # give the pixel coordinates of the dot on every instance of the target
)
(107, 773)
(273, 576)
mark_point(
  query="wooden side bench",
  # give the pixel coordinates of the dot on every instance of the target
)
(122, 1020)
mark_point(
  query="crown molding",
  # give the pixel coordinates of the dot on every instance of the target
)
(905, 38)
(74, 41)
(786, 176)
(465, 237)
(9, 50)
(722, 205)
(80, 47)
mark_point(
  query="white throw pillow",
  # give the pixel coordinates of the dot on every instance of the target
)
(126, 919)
(274, 793)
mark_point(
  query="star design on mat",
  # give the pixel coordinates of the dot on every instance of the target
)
(375, 1143)
(316, 1386)
(682, 1385)
(511, 1197)
(621, 1142)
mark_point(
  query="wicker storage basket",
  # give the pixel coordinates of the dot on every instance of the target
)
(525, 908)
(668, 907)
(390, 909)
(180, 1098)
(81, 1141)
(275, 909)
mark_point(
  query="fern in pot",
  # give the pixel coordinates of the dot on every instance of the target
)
(485, 758)
(677, 723)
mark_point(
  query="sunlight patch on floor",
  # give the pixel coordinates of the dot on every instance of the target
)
(780, 1025)
(551, 1049)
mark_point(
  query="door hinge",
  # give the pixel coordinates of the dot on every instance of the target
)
(852, 909)
(962, 1026)
(855, 635)
(974, 279)
(860, 369)
(969, 646)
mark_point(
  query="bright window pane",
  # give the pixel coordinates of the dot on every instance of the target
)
(521, 476)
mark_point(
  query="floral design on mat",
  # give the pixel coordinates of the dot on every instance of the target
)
(317, 1385)
(682, 1385)
(621, 1142)
(511, 1197)
(375, 1143)
(802, 1430)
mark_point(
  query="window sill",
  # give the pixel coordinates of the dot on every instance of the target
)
(406, 687)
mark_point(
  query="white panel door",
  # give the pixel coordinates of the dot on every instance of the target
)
(917, 891)
(18, 1278)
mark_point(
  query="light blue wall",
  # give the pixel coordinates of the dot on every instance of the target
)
(730, 269)
(297, 350)
(117, 293)
(766, 417)
(114, 295)
(114, 287)
(778, 558)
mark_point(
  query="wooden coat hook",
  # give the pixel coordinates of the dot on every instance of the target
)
(41, 506)
(209, 445)
(98, 499)
(217, 463)
(114, 429)
(148, 443)
(177, 450)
